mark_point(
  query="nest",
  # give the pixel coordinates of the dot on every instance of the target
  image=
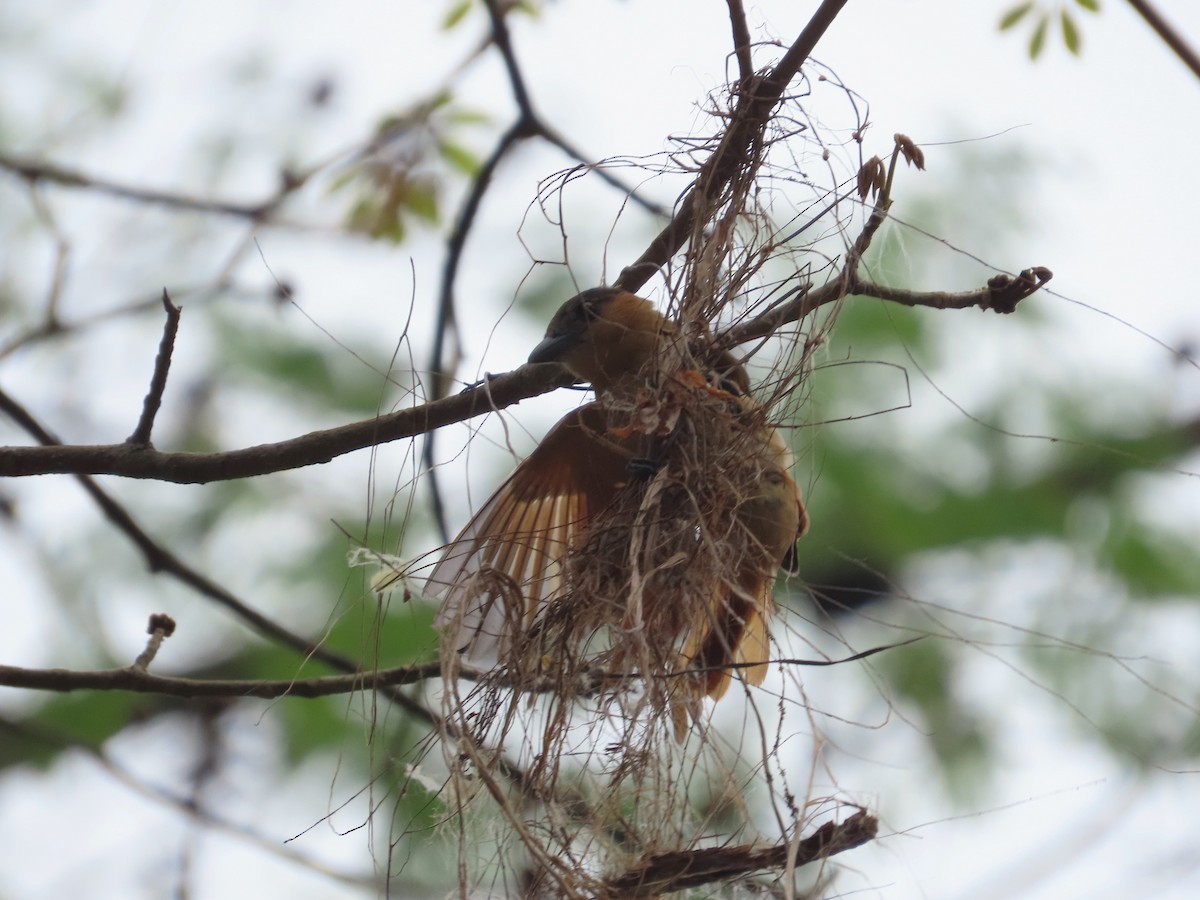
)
(589, 732)
(650, 594)
(596, 695)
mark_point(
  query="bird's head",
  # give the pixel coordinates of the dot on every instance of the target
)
(603, 336)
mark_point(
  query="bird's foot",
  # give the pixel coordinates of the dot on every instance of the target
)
(487, 377)
(643, 468)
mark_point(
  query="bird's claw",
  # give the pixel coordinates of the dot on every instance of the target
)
(643, 468)
(487, 377)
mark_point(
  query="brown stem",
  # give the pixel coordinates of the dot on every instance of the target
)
(664, 873)
(1170, 36)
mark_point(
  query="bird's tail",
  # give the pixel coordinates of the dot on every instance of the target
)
(735, 638)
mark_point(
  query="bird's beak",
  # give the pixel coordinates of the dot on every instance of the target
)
(551, 349)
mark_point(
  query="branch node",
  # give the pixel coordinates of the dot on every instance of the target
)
(1005, 292)
(160, 628)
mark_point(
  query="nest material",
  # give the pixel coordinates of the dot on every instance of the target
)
(647, 594)
(590, 685)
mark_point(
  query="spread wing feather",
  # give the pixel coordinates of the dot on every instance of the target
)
(507, 562)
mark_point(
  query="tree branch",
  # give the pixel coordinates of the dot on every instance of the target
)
(309, 449)
(664, 873)
(741, 40)
(35, 172)
(159, 559)
(136, 679)
(1167, 32)
(1002, 294)
(755, 104)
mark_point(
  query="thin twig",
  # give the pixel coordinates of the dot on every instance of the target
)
(158, 381)
(161, 627)
(1001, 295)
(35, 172)
(137, 679)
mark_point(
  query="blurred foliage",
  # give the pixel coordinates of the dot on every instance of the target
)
(1041, 18)
(305, 369)
(885, 496)
(401, 174)
(457, 10)
(923, 675)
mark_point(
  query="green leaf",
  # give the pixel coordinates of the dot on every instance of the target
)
(1090, 5)
(344, 178)
(459, 157)
(455, 14)
(464, 116)
(1015, 15)
(1038, 41)
(422, 201)
(1070, 33)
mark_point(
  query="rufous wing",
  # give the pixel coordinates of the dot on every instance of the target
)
(508, 561)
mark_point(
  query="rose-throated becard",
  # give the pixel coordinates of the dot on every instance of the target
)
(610, 522)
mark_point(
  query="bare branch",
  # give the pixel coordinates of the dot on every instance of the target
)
(741, 40)
(755, 104)
(35, 172)
(1002, 294)
(309, 449)
(158, 381)
(1170, 36)
(667, 872)
(136, 679)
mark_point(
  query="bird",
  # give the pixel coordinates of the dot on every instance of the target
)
(646, 530)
